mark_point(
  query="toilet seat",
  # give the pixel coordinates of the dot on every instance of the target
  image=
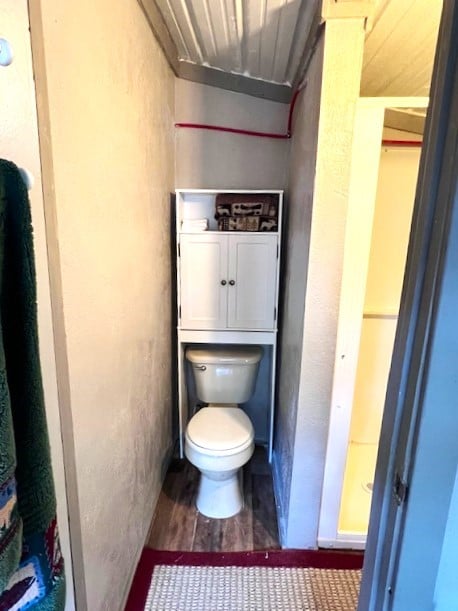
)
(220, 430)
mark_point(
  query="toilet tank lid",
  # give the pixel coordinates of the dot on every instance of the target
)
(244, 355)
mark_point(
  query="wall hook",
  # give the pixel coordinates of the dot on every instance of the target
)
(27, 177)
(6, 52)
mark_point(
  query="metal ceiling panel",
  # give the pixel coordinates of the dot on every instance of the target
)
(257, 39)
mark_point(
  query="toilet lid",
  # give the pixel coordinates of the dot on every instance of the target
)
(220, 428)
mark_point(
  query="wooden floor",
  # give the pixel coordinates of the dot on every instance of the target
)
(177, 525)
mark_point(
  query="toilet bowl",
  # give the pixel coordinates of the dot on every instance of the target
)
(219, 441)
(219, 438)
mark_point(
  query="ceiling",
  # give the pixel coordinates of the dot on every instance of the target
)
(399, 49)
(261, 47)
(254, 46)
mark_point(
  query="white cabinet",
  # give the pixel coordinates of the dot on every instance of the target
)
(227, 293)
(228, 281)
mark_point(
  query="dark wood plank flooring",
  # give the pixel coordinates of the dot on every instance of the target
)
(177, 525)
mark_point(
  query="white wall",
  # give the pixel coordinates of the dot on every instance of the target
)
(109, 127)
(209, 159)
(19, 143)
(343, 47)
(365, 155)
(397, 181)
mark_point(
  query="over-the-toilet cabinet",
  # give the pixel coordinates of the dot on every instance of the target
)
(227, 293)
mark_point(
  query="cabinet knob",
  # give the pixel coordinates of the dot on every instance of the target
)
(232, 282)
(223, 282)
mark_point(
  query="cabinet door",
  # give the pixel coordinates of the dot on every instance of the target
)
(203, 266)
(252, 281)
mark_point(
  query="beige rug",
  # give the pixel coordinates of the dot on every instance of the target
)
(252, 588)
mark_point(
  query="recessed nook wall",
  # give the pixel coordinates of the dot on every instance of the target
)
(217, 160)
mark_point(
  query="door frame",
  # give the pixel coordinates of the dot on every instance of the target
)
(53, 337)
(435, 199)
(367, 138)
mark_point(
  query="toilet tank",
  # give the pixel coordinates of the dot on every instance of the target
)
(225, 374)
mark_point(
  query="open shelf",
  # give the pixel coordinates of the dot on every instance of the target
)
(195, 204)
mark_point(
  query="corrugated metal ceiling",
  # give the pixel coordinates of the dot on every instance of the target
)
(260, 47)
(262, 39)
(255, 46)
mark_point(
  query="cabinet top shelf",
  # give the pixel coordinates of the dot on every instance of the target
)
(216, 232)
(216, 210)
(241, 191)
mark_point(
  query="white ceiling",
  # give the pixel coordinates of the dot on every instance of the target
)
(399, 50)
(261, 47)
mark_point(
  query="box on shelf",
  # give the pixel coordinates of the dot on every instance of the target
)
(246, 212)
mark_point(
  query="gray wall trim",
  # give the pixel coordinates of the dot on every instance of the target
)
(160, 31)
(234, 82)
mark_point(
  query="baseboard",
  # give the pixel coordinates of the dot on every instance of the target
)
(349, 541)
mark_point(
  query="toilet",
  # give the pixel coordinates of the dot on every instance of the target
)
(219, 438)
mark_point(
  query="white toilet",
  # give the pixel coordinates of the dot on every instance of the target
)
(220, 438)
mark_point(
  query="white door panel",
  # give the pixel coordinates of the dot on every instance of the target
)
(252, 270)
(203, 263)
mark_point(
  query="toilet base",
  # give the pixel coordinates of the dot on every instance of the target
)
(220, 497)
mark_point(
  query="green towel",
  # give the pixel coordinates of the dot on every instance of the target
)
(31, 565)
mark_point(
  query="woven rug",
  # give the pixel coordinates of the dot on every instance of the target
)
(249, 581)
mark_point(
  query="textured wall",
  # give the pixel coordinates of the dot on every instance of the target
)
(207, 159)
(19, 143)
(111, 105)
(342, 57)
(296, 253)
